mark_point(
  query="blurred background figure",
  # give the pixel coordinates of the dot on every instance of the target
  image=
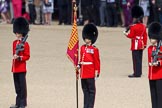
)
(69, 12)
(145, 4)
(63, 9)
(159, 9)
(4, 6)
(153, 12)
(39, 14)
(103, 13)
(121, 13)
(17, 8)
(25, 10)
(96, 13)
(112, 13)
(126, 6)
(87, 10)
(32, 12)
(48, 9)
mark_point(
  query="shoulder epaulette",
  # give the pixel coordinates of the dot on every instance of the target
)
(94, 46)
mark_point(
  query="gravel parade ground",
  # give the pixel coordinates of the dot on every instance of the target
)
(51, 76)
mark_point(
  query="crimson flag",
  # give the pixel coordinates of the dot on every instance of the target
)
(73, 45)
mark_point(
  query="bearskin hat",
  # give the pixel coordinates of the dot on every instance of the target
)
(21, 26)
(90, 32)
(137, 11)
(155, 31)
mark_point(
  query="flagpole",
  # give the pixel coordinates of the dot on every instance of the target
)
(77, 87)
(74, 8)
(77, 73)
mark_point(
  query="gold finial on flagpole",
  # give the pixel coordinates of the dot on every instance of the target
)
(74, 1)
(75, 12)
(75, 8)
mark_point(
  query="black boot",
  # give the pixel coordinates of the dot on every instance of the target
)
(14, 106)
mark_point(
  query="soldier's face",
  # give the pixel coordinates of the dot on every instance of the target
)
(87, 41)
(18, 35)
(153, 41)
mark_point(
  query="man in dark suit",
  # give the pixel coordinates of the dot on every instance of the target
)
(112, 13)
(62, 6)
(87, 10)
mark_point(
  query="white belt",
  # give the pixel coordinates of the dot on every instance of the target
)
(86, 63)
(138, 37)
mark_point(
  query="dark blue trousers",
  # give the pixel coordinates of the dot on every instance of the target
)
(20, 88)
(137, 62)
(156, 93)
(112, 15)
(89, 91)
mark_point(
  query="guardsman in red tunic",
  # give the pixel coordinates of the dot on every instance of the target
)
(20, 28)
(155, 67)
(89, 64)
(138, 38)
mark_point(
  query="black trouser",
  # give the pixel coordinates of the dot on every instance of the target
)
(69, 12)
(112, 15)
(137, 62)
(89, 91)
(63, 14)
(32, 13)
(88, 13)
(156, 93)
(20, 88)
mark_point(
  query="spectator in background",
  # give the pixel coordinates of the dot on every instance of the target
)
(11, 12)
(69, 11)
(38, 9)
(153, 12)
(112, 13)
(32, 13)
(159, 8)
(17, 8)
(96, 13)
(25, 11)
(87, 10)
(48, 10)
(146, 9)
(121, 15)
(103, 13)
(126, 6)
(4, 11)
(63, 9)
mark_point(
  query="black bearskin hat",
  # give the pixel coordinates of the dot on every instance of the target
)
(90, 32)
(137, 11)
(21, 26)
(155, 31)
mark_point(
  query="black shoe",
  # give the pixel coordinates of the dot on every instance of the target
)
(59, 23)
(14, 106)
(101, 25)
(22, 107)
(133, 76)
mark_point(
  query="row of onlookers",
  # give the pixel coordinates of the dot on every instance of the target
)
(35, 11)
(110, 13)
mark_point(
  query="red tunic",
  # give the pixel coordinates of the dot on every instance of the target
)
(90, 61)
(137, 34)
(154, 72)
(20, 65)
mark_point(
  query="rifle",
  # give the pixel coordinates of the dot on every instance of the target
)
(20, 47)
(136, 21)
(156, 52)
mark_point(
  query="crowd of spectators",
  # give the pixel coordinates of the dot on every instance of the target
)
(104, 13)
